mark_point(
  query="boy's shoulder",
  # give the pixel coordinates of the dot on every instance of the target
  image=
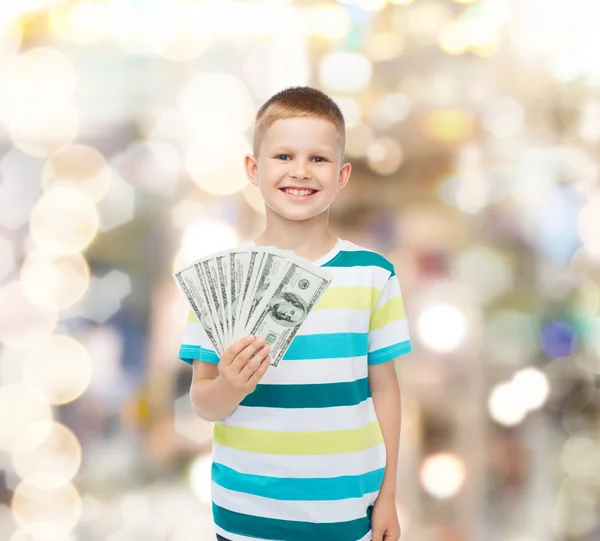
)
(359, 255)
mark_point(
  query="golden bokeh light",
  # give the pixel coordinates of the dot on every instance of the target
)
(172, 32)
(47, 456)
(449, 125)
(82, 22)
(452, 39)
(382, 46)
(22, 323)
(26, 407)
(209, 163)
(345, 71)
(329, 21)
(64, 220)
(54, 281)
(46, 513)
(384, 155)
(81, 167)
(60, 369)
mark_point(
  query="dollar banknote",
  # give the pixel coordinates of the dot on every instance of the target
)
(286, 304)
(259, 290)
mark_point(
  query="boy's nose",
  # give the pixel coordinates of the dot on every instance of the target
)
(301, 171)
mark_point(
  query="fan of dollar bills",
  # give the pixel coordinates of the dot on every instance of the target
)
(258, 290)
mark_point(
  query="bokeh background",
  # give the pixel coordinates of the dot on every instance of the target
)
(473, 130)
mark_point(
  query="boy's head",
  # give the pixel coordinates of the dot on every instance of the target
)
(298, 102)
(299, 139)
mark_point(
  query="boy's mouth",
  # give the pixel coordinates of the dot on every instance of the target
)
(299, 194)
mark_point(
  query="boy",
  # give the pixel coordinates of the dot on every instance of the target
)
(307, 450)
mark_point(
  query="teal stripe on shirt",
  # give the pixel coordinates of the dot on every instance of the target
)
(361, 258)
(310, 395)
(188, 353)
(327, 346)
(290, 530)
(294, 488)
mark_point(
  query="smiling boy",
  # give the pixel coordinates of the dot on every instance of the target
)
(307, 450)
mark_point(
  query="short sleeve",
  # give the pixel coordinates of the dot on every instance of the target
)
(196, 344)
(388, 330)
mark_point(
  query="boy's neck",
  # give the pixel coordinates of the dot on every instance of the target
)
(311, 247)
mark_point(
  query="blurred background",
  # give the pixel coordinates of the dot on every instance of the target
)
(473, 130)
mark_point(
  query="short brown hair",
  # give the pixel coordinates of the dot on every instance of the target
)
(298, 101)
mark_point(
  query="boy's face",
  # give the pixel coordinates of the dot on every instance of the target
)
(302, 152)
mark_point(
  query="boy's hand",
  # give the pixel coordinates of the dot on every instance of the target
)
(244, 363)
(384, 520)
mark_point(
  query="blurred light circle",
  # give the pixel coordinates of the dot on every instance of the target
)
(588, 224)
(26, 407)
(383, 46)
(558, 339)
(252, 196)
(533, 387)
(48, 456)
(351, 110)
(358, 140)
(345, 71)
(506, 405)
(504, 116)
(204, 237)
(575, 514)
(442, 475)
(580, 457)
(54, 281)
(449, 125)
(199, 478)
(401, 2)
(64, 220)
(25, 74)
(60, 369)
(511, 337)
(384, 155)
(83, 22)
(172, 30)
(43, 130)
(367, 5)
(80, 167)
(442, 328)
(452, 39)
(22, 324)
(488, 272)
(46, 513)
(391, 109)
(209, 163)
(216, 106)
(329, 21)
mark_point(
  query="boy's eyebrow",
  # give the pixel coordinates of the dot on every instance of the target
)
(314, 150)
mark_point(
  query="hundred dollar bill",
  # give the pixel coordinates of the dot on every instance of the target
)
(209, 289)
(187, 281)
(285, 305)
(221, 268)
(254, 258)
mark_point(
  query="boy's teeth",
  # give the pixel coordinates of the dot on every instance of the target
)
(298, 192)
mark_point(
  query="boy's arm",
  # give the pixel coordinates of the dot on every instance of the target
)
(386, 400)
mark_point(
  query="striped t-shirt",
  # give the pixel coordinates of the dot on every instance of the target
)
(302, 457)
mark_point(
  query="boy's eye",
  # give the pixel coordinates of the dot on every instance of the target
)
(282, 156)
(320, 158)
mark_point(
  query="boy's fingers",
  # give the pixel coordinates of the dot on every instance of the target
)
(260, 371)
(232, 351)
(242, 357)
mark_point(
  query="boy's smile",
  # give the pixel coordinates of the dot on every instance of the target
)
(298, 168)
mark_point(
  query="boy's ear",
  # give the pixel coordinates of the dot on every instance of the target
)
(344, 176)
(251, 168)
